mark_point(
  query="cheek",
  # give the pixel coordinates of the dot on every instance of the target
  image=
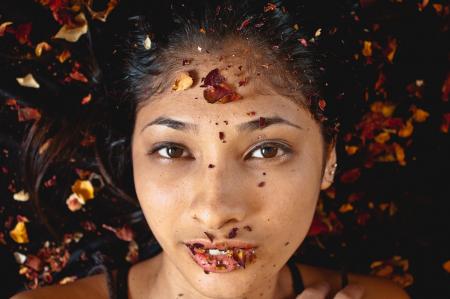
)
(156, 196)
(291, 199)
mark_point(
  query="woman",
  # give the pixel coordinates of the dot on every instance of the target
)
(230, 140)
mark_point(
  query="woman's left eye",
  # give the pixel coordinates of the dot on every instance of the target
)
(270, 151)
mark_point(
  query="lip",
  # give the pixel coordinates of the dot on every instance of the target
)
(238, 254)
(222, 244)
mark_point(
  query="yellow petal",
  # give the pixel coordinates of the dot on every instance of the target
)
(73, 34)
(407, 130)
(21, 196)
(43, 46)
(183, 82)
(19, 233)
(84, 189)
(382, 137)
(387, 110)
(28, 81)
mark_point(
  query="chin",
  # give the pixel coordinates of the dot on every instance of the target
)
(234, 284)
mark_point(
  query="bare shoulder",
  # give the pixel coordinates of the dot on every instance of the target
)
(375, 287)
(89, 287)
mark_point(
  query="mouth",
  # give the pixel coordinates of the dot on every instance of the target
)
(222, 257)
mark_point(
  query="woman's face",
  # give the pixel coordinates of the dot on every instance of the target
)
(213, 169)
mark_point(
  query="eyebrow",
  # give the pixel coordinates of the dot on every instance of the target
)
(259, 123)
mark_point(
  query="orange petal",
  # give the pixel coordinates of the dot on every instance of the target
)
(420, 115)
(367, 50)
(446, 266)
(407, 130)
(351, 149)
(43, 46)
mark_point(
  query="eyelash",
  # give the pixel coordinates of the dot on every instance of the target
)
(285, 148)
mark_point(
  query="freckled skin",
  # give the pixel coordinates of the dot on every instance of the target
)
(185, 197)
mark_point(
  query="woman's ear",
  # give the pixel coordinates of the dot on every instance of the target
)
(330, 168)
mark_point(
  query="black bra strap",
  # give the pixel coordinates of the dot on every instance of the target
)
(344, 277)
(297, 281)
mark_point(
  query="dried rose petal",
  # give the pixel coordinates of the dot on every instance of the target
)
(213, 78)
(72, 34)
(233, 233)
(262, 122)
(244, 24)
(101, 15)
(322, 104)
(270, 7)
(74, 202)
(22, 33)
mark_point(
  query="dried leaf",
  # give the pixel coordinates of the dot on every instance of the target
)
(28, 81)
(72, 34)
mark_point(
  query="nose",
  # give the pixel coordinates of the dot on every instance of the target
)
(220, 200)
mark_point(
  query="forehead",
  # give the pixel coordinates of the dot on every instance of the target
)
(245, 71)
(190, 106)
